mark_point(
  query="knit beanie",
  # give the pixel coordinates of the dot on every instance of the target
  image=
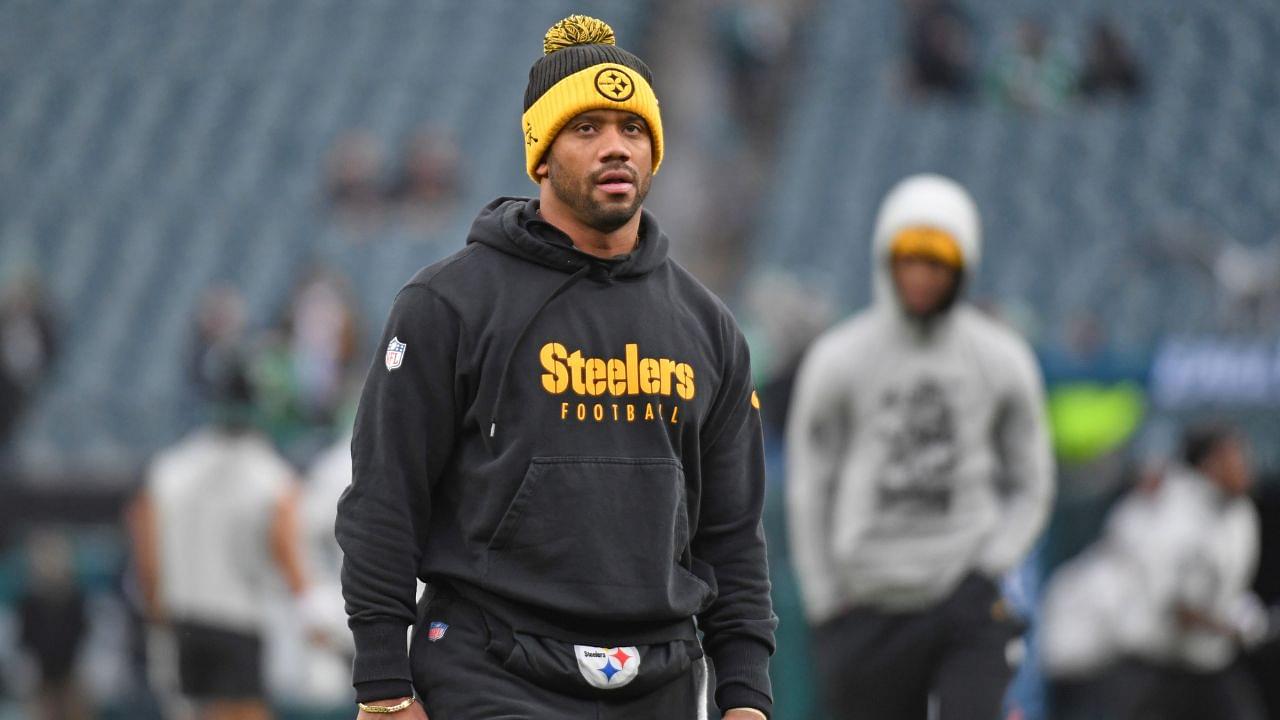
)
(583, 69)
(930, 243)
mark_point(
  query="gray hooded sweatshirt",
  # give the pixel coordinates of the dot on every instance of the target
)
(916, 450)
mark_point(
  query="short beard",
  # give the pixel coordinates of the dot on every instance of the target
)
(575, 192)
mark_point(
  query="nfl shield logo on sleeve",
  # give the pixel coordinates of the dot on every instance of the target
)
(395, 353)
(436, 631)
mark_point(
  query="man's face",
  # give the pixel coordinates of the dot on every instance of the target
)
(1229, 466)
(600, 167)
(923, 285)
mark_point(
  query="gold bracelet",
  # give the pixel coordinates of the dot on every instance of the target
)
(387, 708)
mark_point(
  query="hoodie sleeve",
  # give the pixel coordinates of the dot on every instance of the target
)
(1022, 440)
(740, 623)
(404, 432)
(818, 431)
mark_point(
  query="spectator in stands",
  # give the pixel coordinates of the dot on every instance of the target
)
(53, 625)
(428, 185)
(219, 336)
(354, 186)
(28, 346)
(322, 330)
(215, 521)
(1109, 65)
(940, 55)
(1149, 623)
(753, 38)
(1032, 76)
(788, 317)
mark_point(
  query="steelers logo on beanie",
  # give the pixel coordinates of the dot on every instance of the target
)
(583, 69)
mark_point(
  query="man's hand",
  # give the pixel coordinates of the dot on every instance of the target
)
(744, 714)
(413, 712)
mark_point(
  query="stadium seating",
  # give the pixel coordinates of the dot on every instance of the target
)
(1070, 198)
(153, 148)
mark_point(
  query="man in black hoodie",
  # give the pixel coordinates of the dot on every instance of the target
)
(561, 438)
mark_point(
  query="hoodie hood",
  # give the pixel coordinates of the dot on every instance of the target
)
(933, 201)
(513, 226)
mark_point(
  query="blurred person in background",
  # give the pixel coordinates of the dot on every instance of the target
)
(303, 368)
(562, 440)
(428, 186)
(219, 337)
(28, 348)
(353, 188)
(1110, 68)
(54, 624)
(939, 48)
(328, 661)
(322, 329)
(789, 316)
(754, 37)
(214, 528)
(1032, 75)
(918, 473)
(1153, 618)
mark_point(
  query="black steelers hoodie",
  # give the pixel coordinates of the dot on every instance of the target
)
(573, 444)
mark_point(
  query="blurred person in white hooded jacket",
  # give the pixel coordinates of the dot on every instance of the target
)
(1149, 622)
(329, 661)
(919, 472)
(215, 535)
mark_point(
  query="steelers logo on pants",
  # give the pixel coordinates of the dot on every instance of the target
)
(607, 668)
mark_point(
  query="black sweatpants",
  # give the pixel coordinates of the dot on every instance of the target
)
(218, 663)
(457, 678)
(878, 665)
(1138, 690)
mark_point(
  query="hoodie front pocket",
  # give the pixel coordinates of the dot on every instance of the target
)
(583, 530)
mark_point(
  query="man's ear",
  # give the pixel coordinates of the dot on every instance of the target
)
(543, 170)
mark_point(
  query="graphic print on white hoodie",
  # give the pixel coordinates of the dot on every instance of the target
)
(916, 450)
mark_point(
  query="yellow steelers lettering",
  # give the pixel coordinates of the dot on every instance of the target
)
(684, 381)
(575, 372)
(556, 378)
(596, 376)
(649, 376)
(617, 377)
(631, 374)
(633, 370)
(666, 368)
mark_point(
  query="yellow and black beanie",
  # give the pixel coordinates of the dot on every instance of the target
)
(583, 69)
(930, 243)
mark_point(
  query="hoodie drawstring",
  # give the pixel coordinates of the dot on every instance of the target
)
(506, 367)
